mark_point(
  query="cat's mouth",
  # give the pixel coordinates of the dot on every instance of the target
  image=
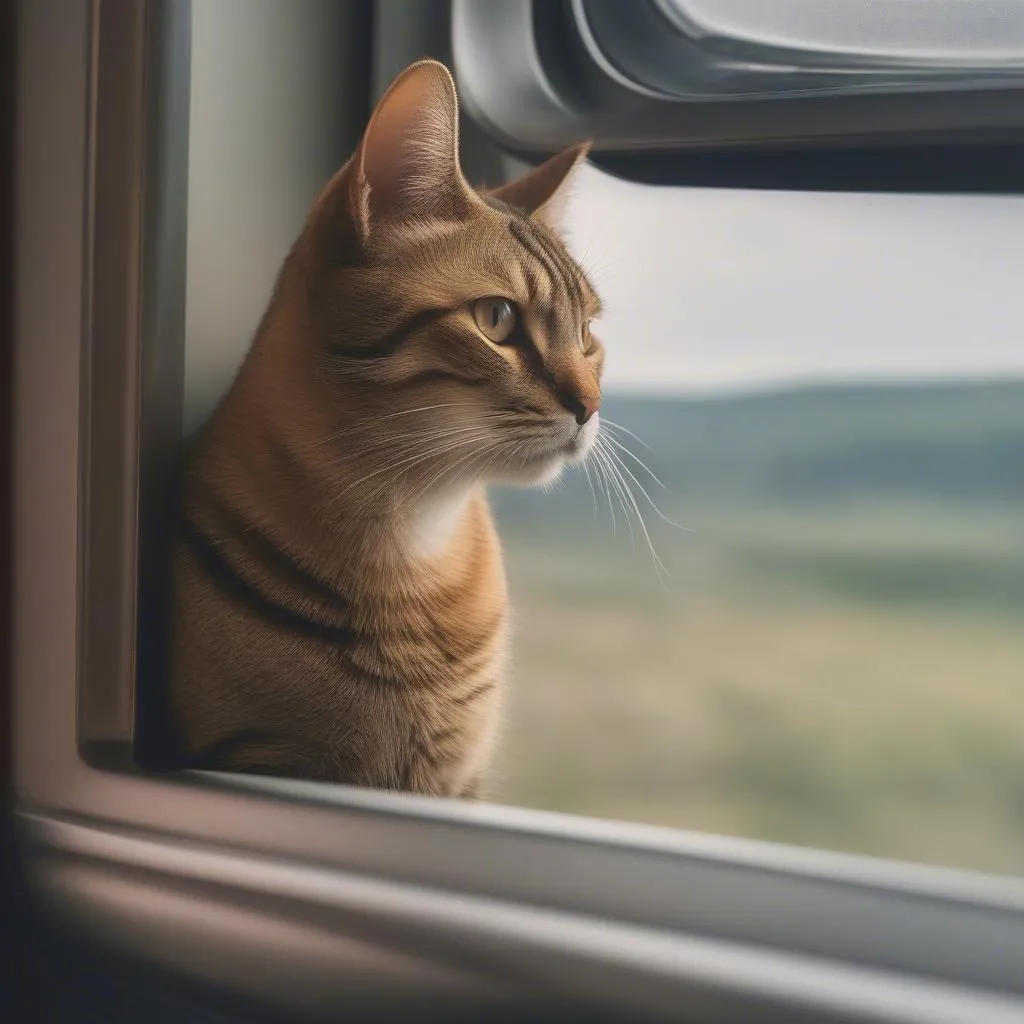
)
(572, 449)
(582, 439)
(544, 463)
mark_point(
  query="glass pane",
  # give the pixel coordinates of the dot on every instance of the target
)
(832, 391)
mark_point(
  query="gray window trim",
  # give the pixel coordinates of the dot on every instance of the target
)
(646, 918)
(536, 78)
(659, 972)
(537, 96)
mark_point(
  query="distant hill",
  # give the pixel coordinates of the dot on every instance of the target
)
(827, 444)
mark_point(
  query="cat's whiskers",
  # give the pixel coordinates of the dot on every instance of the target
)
(615, 484)
(636, 458)
(602, 475)
(418, 454)
(657, 511)
(377, 442)
(416, 448)
(584, 465)
(443, 471)
(618, 428)
(422, 408)
(403, 465)
(436, 511)
(625, 491)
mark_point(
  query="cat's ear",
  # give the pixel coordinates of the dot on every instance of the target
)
(407, 165)
(543, 192)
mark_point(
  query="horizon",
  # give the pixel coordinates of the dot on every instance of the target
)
(797, 384)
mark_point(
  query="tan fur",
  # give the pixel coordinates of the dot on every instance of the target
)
(340, 598)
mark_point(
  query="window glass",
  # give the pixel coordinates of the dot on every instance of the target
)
(831, 390)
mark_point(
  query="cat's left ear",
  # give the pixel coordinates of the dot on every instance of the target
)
(407, 165)
(544, 191)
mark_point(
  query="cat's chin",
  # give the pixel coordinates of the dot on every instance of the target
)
(536, 473)
(544, 469)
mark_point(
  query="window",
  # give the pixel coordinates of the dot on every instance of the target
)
(829, 389)
(827, 382)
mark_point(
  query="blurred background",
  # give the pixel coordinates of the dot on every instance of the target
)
(832, 391)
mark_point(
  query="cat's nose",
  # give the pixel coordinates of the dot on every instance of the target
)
(582, 406)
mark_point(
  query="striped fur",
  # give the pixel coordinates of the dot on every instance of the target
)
(340, 598)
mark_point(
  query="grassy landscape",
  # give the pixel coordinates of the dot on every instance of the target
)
(837, 656)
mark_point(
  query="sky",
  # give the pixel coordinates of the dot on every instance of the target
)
(710, 289)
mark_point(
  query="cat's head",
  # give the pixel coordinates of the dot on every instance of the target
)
(453, 324)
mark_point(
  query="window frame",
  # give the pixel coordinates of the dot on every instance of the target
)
(550, 84)
(325, 879)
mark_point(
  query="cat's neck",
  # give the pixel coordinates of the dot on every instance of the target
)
(429, 526)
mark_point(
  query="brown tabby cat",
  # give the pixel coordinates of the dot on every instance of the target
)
(340, 596)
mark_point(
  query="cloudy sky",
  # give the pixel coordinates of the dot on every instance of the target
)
(710, 289)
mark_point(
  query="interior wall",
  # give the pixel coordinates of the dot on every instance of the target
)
(278, 97)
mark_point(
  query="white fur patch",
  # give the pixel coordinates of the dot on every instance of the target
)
(435, 521)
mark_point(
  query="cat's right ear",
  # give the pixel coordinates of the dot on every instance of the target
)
(407, 164)
(543, 192)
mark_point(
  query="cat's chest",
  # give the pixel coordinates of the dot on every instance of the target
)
(451, 733)
(440, 647)
(444, 616)
(453, 662)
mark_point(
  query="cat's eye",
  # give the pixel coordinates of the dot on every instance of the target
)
(586, 338)
(496, 318)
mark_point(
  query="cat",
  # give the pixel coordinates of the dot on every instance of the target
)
(339, 596)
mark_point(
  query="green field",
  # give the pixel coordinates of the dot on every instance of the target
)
(837, 657)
